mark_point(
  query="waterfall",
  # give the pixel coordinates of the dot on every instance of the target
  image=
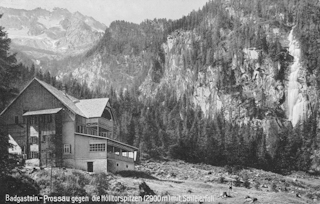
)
(297, 101)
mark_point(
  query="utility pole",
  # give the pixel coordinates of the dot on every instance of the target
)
(51, 179)
(40, 119)
(51, 161)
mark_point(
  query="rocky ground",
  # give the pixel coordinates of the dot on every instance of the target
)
(191, 183)
(180, 178)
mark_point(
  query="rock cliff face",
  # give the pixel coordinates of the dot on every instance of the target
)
(268, 92)
(103, 72)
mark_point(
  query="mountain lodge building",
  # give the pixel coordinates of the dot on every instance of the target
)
(56, 129)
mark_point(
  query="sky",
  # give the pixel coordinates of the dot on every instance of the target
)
(107, 11)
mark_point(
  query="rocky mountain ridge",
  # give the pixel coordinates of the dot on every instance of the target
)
(43, 35)
(121, 59)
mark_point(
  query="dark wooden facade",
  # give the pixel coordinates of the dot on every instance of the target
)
(34, 134)
(48, 126)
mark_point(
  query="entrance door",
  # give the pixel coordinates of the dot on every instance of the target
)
(90, 166)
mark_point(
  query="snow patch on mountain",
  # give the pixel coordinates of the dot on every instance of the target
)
(45, 35)
(51, 23)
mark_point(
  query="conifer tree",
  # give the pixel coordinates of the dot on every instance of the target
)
(9, 70)
(9, 74)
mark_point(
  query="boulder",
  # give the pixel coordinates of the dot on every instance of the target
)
(144, 189)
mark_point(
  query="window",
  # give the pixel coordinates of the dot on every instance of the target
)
(45, 119)
(98, 147)
(33, 120)
(81, 129)
(125, 153)
(67, 149)
(44, 138)
(131, 155)
(117, 151)
(109, 134)
(91, 131)
(16, 119)
(48, 118)
(34, 155)
(41, 119)
(34, 140)
(103, 134)
(110, 149)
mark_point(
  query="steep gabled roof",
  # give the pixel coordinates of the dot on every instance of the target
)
(66, 99)
(92, 108)
(88, 108)
(6, 108)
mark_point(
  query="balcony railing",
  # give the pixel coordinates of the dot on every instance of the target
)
(92, 131)
(101, 122)
(85, 130)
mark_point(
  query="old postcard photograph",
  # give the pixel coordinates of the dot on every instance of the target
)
(159, 101)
